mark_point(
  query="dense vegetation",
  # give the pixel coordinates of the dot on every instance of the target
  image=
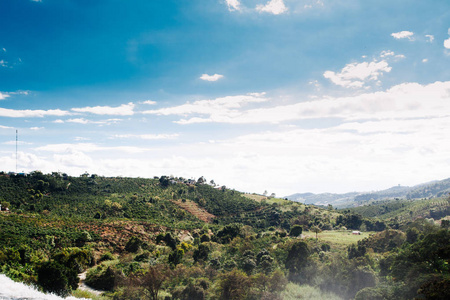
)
(170, 238)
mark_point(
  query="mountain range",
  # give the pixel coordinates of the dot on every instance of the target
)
(438, 188)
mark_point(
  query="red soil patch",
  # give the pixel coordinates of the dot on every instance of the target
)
(195, 210)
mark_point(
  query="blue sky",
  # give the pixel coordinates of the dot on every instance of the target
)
(279, 95)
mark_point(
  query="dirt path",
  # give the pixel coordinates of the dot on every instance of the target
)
(82, 286)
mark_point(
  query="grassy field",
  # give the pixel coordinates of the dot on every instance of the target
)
(340, 239)
(269, 200)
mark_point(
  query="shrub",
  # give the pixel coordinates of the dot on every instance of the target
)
(101, 278)
(296, 230)
(133, 244)
(56, 278)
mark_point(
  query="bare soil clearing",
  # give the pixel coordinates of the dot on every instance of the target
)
(195, 210)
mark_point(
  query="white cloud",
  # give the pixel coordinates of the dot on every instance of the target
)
(59, 121)
(5, 127)
(233, 5)
(3, 63)
(355, 75)
(275, 7)
(214, 77)
(149, 102)
(403, 34)
(3, 96)
(85, 121)
(4, 49)
(218, 109)
(78, 121)
(425, 60)
(430, 38)
(123, 110)
(36, 128)
(408, 100)
(12, 113)
(148, 136)
(447, 43)
(387, 53)
(313, 3)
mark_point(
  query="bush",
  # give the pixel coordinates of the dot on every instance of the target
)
(296, 230)
(369, 293)
(56, 278)
(133, 244)
(101, 279)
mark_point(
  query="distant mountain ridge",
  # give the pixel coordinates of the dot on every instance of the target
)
(431, 189)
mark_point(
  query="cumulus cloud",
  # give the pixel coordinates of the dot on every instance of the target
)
(36, 128)
(355, 75)
(233, 5)
(275, 7)
(430, 38)
(403, 35)
(123, 110)
(28, 113)
(447, 43)
(214, 77)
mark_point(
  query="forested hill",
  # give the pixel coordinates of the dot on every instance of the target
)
(173, 238)
(433, 189)
(92, 196)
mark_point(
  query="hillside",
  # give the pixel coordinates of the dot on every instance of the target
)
(433, 189)
(404, 210)
(199, 241)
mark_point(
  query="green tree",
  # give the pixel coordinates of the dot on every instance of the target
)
(316, 230)
(234, 285)
(296, 230)
(133, 244)
(153, 280)
(297, 259)
(56, 278)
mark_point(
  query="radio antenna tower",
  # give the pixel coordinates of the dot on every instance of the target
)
(17, 135)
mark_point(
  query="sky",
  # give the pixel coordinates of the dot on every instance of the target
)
(282, 96)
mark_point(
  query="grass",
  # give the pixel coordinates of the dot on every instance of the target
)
(87, 295)
(294, 291)
(269, 200)
(337, 238)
